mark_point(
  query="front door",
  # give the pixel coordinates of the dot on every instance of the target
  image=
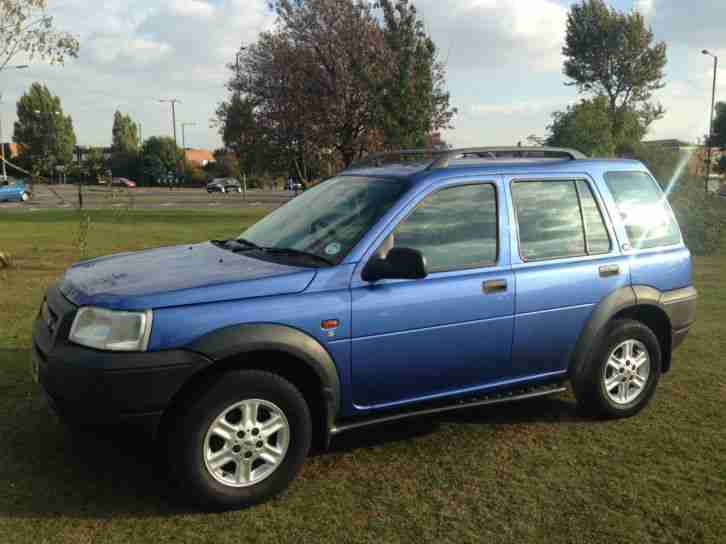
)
(452, 331)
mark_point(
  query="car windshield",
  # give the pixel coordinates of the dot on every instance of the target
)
(328, 220)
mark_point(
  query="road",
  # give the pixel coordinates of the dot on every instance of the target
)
(101, 197)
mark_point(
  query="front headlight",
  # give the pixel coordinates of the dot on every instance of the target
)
(111, 330)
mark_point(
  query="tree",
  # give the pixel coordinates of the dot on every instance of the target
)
(160, 156)
(413, 96)
(124, 147)
(46, 135)
(125, 133)
(242, 134)
(94, 164)
(585, 126)
(612, 54)
(26, 29)
(333, 75)
(719, 126)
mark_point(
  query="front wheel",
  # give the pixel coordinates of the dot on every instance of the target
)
(622, 375)
(241, 442)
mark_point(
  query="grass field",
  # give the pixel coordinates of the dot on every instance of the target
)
(530, 472)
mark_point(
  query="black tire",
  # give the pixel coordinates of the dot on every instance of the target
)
(186, 432)
(589, 384)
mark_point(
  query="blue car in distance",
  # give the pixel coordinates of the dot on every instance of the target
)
(13, 191)
(410, 284)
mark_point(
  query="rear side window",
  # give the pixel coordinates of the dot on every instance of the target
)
(643, 209)
(454, 228)
(558, 219)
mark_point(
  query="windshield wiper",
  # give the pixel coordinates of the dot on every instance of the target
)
(240, 244)
(298, 252)
(235, 243)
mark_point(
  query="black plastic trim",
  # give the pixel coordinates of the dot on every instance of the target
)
(679, 306)
(240, 339)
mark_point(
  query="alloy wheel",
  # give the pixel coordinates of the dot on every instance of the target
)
(626, 372)
(246, 443)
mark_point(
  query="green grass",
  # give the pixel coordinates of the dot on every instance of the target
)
(530, 472)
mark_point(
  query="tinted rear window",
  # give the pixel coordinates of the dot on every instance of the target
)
(643, 209)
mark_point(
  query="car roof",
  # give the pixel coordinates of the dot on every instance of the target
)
(419, 172)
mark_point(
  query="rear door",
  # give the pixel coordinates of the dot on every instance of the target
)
(452, 331)
(565, 259)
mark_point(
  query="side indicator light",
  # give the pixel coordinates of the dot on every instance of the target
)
(329, 324)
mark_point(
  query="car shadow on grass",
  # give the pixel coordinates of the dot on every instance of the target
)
(48, 469)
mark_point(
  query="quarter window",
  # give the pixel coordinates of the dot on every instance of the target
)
(558, 219)
(644, 210)
(454, 228)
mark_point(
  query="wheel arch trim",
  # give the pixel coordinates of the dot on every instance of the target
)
(238, 340)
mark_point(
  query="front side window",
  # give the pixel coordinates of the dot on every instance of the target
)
(644, 210)
(454, 228)
(328, 220)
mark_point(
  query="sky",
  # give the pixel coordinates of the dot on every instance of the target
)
(503, 56)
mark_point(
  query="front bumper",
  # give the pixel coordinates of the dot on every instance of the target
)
(88, 386)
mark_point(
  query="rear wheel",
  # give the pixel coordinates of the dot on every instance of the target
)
(622, 375)
(25, 197)
(240, 442)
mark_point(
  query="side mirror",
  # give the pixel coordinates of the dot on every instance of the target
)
(401, 263)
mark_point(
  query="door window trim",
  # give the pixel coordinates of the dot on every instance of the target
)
(488, 264)
(574, 181)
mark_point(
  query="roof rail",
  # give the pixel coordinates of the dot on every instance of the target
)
(440, 158)
(442, 161)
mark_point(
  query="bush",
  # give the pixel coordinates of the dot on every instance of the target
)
(702, 216)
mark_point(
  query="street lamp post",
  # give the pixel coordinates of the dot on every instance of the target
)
(184, 137)
(4, 176)
(184, 146)
(710, 125)
(173, 102)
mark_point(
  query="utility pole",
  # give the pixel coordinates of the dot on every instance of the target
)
(173, 102)
(710, 125)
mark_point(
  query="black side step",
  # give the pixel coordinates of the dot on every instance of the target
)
(494, 398)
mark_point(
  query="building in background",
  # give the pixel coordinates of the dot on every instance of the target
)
(199, 157)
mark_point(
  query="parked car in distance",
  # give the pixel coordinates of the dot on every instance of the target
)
(123, 182)
(13, 190)
(224, 185)
(466, 278)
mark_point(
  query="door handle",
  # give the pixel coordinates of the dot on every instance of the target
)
(609, 270)
(494, 286)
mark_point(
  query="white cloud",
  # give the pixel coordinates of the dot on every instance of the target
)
(646, 7)
(478, 35)
(136, 51)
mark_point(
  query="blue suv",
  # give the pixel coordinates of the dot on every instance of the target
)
(409, 284)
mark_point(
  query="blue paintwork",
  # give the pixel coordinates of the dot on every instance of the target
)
(13, 192)
(398, 341)
(178, 276)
